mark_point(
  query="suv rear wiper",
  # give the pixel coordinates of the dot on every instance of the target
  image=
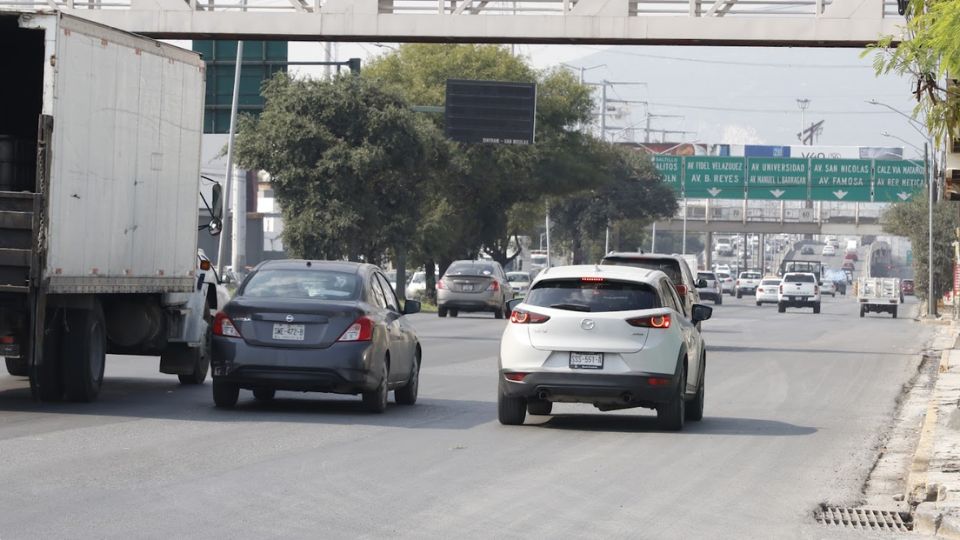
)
(572, 307)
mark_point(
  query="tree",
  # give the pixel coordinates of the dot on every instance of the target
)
(928, 52)
(476, 201)
(910, 219)
(630, 189)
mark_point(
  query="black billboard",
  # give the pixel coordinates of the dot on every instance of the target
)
(490, 111)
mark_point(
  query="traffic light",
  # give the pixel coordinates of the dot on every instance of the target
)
(354, 64)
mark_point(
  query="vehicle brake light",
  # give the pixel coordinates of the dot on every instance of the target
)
(6, 340)
(592, 279)
(816, 289)
(440, 284)
(516, 376)
(738, 283)
(360, 330)
(658, 381)
(223, 326)
(494, 286)
(781, 289)
(759, 289)
(519, 316)
(655, 321)
(682, 290)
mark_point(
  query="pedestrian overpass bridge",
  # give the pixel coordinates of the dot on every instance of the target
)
(811, 23)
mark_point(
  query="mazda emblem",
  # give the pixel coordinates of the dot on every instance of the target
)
(289, 318)
(588, 324)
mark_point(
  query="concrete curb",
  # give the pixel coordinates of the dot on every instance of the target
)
(933, 481)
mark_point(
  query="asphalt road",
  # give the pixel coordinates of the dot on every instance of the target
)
(795, 404)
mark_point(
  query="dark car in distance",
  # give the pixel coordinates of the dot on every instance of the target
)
(906, 287)
(316, 326)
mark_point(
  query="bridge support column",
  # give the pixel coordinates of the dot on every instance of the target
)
(708, 251)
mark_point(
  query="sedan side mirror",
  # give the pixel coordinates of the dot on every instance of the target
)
(411, 306)
(701, 313)
(512, 304)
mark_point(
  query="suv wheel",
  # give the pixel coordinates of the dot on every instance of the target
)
(781, 308)
(511, 411)
(441, 312)
(739, 294)
(670, 415)
(694, 408)
(816, 307)
(225, 394)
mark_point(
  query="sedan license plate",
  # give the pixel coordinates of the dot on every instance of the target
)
(467, 287)
(288, 332)
(586, 360)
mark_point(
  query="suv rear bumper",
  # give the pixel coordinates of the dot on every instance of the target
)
(801, 301)
(633, 390)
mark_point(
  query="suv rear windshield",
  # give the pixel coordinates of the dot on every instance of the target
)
(308, 284)
(800, 278)
(750, 275)
(576, 295)
(470, 268)
(706, 275)
(670, 267)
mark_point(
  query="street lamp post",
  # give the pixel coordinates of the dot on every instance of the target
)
(931, 301)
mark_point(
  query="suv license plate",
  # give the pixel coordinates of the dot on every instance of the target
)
(288, 332)
(586, 360)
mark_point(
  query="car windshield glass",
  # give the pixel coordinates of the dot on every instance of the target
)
(799, 278)
(706, 275)
(668, 266)
(516, 277)
(770, 282)
(577, 295)
(308, 284)
(750, 275)
(468, 268)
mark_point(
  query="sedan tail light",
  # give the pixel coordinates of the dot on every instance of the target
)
(440, 284)
(223, 326)
(655, 321)
(494, 286)
(520, 316)
(360, 330)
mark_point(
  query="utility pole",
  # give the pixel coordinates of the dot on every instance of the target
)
(803, 103)
(931, 299)
(231, 218)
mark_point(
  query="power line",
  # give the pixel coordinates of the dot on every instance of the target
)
(730, 62)
(762, 111)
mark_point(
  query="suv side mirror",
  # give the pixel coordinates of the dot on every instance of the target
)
(512, 304)
(701, 313)
(411, 306)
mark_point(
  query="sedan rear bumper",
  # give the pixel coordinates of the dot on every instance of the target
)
(342, 368)
(631, 390)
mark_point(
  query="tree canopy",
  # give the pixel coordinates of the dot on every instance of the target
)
(910, 219)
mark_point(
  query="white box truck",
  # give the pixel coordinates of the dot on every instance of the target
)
(99, 180)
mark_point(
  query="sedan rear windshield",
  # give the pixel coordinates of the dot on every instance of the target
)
(670, 267)
(468, 268)
(800, 278)
(577, 295)
(750, 275)
(770, 282)
(517, 277)
(303, 284)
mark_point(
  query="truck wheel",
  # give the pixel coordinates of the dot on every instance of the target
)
(861, 312)
(441, 312)
(781, 308)
(84, 353)
(719, 300)
(816, 307)
(48, 376)
(454, 312)
(225, 394)
(739, 294)
(17, 366)
(759, 303)
(894, 312)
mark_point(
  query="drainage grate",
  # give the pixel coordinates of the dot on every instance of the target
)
(865, 518)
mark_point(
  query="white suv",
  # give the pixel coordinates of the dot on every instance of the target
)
(612, 336)
(799, 289)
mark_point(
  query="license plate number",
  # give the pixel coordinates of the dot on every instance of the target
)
(586, 360)
(288, 332)
(467, 287)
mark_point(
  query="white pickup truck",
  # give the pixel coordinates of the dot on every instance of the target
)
(880, 295)
(747, 283)
(798, 289)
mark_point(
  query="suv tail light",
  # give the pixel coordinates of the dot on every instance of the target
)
(655, 321)
(494, 286)
(682, 290)
(781, 289)
(223, 326)
(360, 330)
(519, 316)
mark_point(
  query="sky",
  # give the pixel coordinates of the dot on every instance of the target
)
(734, 95)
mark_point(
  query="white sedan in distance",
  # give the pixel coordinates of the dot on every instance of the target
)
(612, 336)
(828, 251)
(768, 292)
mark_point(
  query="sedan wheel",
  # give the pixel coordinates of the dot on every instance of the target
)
(225, 394)
(407, 395)
(375, 400)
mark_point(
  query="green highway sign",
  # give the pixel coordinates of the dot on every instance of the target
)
(781, 179)
(846, 180)
(708, 177)
(897, 181)
(669, 168)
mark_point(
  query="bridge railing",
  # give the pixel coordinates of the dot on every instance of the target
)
(700, 210)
